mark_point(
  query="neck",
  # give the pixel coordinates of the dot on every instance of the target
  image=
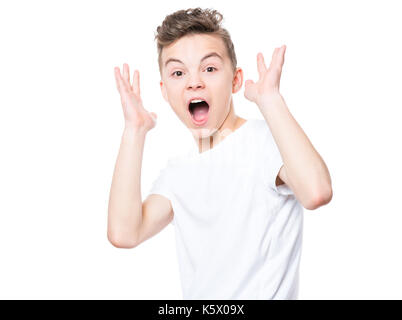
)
(230, 124)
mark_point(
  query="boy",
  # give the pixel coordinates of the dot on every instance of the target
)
(235, 204)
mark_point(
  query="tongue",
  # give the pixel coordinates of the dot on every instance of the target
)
(200, 112)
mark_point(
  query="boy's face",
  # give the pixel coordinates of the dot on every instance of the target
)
(211, 78)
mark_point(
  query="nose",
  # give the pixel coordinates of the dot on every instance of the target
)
(195, 82)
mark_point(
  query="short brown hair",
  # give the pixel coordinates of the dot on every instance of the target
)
(193, 21)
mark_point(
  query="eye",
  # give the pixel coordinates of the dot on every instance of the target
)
(211, 68)
(175, 73)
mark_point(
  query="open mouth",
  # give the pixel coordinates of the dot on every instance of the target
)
(199, 111)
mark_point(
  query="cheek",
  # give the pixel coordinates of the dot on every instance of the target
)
(223, 89)
(173, 94)
(221, 86)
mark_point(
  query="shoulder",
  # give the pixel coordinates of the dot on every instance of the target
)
(262, 125)
(255, 140)
(180, 160)
(261, 131)
(265, 131)
(259, 125)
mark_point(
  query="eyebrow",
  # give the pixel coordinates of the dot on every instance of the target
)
(211, 54)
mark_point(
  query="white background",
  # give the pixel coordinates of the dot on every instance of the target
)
(61, 123)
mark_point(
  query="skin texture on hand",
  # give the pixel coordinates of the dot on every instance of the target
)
(269, 78)
(135, 115)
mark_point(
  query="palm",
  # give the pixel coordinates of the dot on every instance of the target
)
(269, 78)
(135, 114)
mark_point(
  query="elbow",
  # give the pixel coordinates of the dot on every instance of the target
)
(320, 199)
(120, 242)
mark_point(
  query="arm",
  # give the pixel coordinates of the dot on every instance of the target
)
(125, 203)
(129, 220)
(303, 171)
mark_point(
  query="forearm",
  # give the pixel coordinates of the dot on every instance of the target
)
(125, 201)
(305, 168)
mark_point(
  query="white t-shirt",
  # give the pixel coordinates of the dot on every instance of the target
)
(238, 235)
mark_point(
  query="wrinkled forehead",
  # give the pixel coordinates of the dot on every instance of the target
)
(192, 48)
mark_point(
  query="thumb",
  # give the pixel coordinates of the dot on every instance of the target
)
(153, 115)
(249, 90)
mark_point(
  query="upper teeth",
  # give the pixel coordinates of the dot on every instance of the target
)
(196, 101)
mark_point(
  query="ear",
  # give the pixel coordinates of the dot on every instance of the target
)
(163, 90)
(237, 80)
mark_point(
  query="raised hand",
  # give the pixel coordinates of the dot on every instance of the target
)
(135, 115)
(269, 78)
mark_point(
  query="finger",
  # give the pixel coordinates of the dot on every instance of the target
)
(153, 115)
(250, 90)
(281, 55)
(126, 75)
(122, 86)
(274, 56)
(262, 68)
(136, 82)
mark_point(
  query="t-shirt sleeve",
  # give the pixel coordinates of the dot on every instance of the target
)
(161, 185)
(273, 163)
